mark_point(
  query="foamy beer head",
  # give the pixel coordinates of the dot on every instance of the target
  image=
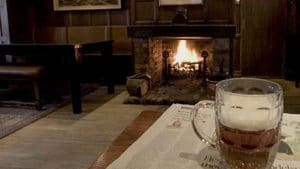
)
(250, 113)
(250, 106)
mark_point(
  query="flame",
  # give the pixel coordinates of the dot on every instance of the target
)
(184, 54)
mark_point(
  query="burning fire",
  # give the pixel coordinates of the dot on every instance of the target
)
(185, 57)
(184, 54)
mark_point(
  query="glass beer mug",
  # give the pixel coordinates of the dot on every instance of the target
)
(247, 114)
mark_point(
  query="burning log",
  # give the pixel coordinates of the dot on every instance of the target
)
(186, 69)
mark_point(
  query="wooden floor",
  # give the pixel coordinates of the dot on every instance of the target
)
(63, 140)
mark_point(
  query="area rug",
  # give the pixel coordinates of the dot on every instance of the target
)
(14, 118)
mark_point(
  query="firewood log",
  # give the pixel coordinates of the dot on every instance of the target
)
(137, 87)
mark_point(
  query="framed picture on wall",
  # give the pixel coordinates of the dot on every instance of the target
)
(180, 2)
(69, 5)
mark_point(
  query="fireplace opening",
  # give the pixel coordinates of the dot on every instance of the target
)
(184, 58)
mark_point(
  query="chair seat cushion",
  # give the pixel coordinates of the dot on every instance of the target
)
(20, 71)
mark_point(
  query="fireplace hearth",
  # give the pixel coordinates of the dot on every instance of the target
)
(179, 59)
(185, 91)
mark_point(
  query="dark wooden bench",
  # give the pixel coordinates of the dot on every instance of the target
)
(29, 74)
(30, 61)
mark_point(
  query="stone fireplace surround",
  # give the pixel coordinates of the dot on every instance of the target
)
(147, 45)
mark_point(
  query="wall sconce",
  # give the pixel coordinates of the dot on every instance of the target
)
(237, 2)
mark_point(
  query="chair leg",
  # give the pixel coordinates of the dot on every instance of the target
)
(37, 95)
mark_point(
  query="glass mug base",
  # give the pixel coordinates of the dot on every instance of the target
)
(240, 165)
(264, 159)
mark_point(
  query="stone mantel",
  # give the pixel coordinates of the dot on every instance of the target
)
(182, 30)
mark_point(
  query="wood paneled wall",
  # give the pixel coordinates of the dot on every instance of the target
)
(36, 21)
(263, 33)
(149, 12)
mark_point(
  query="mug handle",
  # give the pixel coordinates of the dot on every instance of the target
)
(203, 122)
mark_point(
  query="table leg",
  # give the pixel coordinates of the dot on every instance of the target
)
(110, 86)
(76, 99)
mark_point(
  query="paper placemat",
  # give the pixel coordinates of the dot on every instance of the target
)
(170, 143)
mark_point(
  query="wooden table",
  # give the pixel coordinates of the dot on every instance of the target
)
(67, 55)
(126, 138)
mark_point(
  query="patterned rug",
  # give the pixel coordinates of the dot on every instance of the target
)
(13, 119)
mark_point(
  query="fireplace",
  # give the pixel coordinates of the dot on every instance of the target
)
(178, 58)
